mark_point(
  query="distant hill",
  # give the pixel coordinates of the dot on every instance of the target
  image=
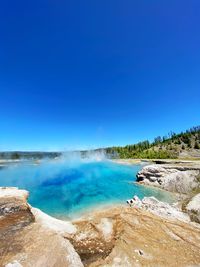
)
(183, 145)
(15, 155)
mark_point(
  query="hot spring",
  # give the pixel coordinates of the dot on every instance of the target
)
(66, 188)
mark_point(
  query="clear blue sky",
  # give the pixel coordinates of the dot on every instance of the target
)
(83, 74)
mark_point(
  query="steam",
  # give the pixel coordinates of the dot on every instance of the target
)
(86, 156)
(33, 173)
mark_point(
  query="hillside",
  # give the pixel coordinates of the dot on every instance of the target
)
(183, 145)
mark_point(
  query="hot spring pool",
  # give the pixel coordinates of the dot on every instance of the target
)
(68, 188)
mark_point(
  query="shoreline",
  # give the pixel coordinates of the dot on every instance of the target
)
(144, 162)
(88, 211)
(104, 235)
(129, 161)
(100, 238)
(158, 161)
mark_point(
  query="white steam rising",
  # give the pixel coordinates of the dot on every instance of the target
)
(88, 156)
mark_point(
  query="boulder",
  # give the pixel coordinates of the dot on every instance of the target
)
(171, 178)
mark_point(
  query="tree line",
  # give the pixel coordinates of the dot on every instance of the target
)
(152, 150)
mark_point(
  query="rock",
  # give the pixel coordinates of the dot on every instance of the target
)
(164, 210)
(138, 238)
(181, 181)
(15, 213)
(193, 208)
(59, 226)
(106, 227)
(136, 198)
(94, 238)
(151, 201)
(172, 178)
(135, 201)
(14, 264)
(118, 236)
(31, 238)
(161, 209)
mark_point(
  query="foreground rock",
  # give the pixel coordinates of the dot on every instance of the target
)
(174, 178)
(14, 211)
(148, 234)
(127, 236)
(26, 241)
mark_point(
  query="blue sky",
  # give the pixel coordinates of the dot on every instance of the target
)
(85, 74)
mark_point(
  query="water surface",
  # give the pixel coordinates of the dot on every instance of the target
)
(66, 188)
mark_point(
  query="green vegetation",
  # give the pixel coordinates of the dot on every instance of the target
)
(171, 146)
(165, 147)
(15, 155)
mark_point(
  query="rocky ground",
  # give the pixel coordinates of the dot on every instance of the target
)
(127, 161)
(178, 177)
(26, 241)
(150, 233)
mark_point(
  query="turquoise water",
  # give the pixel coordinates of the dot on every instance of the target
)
(65, 188)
